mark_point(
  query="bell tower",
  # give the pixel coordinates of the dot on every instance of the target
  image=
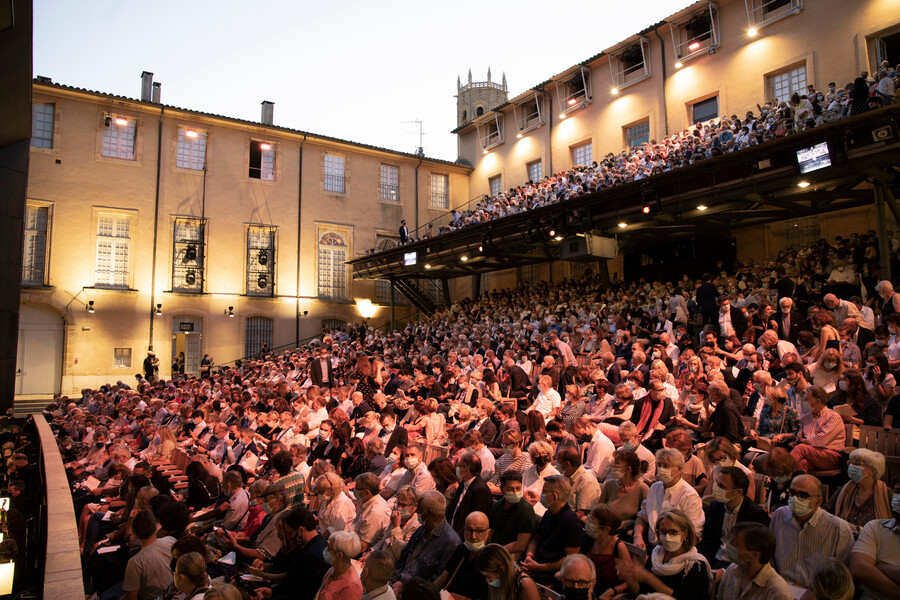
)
(476, 98)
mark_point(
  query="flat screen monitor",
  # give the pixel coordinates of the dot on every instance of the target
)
(409, 259)
(814, 158)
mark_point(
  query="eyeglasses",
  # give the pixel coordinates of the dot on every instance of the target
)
(802, 495)
(669, 532)
(473, 530)
(577, 583)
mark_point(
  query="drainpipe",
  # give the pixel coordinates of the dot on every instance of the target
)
(299, 222)
(549, 131)
(162, 109)
(421, 157)
(665, 109)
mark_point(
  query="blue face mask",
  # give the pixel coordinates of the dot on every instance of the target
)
(855, 472)
(327, 556)
(494, 583)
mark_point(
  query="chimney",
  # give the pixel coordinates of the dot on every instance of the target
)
(146, 86)
(157, 93)
(268, 112)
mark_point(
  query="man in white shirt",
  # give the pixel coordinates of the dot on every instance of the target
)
(671, 491)
(600, 449)
(547, 401)
(875, 557)
(474, 442)
(373, 517)
(565, 351)
(628, 438)
(842, 309)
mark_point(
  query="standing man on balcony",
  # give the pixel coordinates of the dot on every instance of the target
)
(404, 232)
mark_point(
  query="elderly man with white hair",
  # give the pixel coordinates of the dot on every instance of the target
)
(670, 491)
(843, 309)
(771, 347)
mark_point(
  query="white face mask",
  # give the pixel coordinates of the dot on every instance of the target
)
(474, 546)
(513, 497)
(799, 506)
(672, 542)
(412, 462)
(665, 474)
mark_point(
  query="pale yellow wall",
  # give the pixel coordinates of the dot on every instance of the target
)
(83, 184)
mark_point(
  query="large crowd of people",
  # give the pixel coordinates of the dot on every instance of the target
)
(774, 119)
(688, 438)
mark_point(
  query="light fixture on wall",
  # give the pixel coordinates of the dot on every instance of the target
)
(90, 306)
(191, 133)
(679, 64)
(752, 32)
(159, 310)
(230, 311)
(121, 121)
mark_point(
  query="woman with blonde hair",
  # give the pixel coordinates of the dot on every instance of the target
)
(832, 581)
(826, 372)
(505, 580)
(336, 509)
(190, 576)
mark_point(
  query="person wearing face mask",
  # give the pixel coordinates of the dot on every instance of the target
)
(323, 447)
(461, 575)
(472, 493)
(505, 581)
(865, 497)
(853, 402)
(750, 576)
(541, 454)
(416, 474)
(373, 516)
(558, 534)
(805, 534)
(677, 569)
(878, 379)
(789, 321)
(670, 491)
(604, 548)
(512, 517)
(600, 449)
(875, 557)
(341, 581)
(403, 524)
(265, 543)
(305, 545)
(822, 434)
(628, 436)
(431, 546)
(729, 507)
(336, 510)
(513, 458)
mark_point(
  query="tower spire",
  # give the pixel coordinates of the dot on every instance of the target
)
(489, 74)
(470, 76)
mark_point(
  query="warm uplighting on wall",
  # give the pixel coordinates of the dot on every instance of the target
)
(121, 121)
(519, 135)
(702, 207)
(803, 184)
(752, 32)
(485, 151)
(679, 64)
(623, 224)
(614, 91)
(562, 115)
(366, 309)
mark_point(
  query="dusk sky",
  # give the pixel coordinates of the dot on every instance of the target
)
(353, 70)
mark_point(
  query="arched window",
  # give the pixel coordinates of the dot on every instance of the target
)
(465, 116)
(332, 270)
(479, 111)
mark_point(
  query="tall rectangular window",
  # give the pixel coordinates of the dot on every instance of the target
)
(705, 110)
(582, 155)
(535, 171)
(334, 173)
(390, 183)
(188, 256)
(42, 117)
(528, 274)
(119, 137)
(262, 160)
(496, 185)
(113, 263)
(191, 149)
(258, 333)
(332, 271)
(440, 196)
(638, 134)
(260, 261)
(782, 85)
(34, 259)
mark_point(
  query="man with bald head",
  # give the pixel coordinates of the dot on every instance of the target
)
(843, 309)
(857, 333)
(577, 574)
(805, 534)
(462, 574)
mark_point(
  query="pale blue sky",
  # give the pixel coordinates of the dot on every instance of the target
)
(354, 70)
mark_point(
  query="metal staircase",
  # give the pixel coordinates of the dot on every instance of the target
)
(425, 294)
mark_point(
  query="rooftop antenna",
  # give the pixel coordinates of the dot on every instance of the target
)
(420, 151)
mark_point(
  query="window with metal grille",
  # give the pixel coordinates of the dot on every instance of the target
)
(485, 283)
(258, 331)
(122, 357)
(496, 185)
(390, 183)
(440, 197)
(797, 232)
(705, 110)
(42, 117)
(535, 171)
(528, 274)
(782, 85)
(582, 155)
(119, 137)
(188, 256)
(113, 263)
(191, 152)
(262, 160)
(329, 324)
(332, 277)
(260, 261)
(638, 134)
(37, 232)
(334, 173)
(764, 12)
